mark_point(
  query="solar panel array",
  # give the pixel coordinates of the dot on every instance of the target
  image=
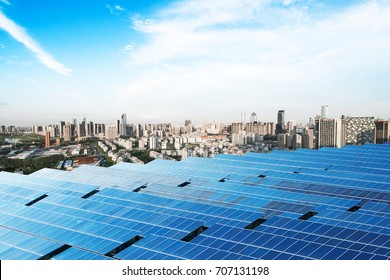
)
(306, 204)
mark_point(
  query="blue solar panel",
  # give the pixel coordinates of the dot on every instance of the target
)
(308, 204)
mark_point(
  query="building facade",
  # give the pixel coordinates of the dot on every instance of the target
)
(359, 130)
(382, 133)
(330, 133)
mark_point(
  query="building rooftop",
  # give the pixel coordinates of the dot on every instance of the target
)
(307, 204)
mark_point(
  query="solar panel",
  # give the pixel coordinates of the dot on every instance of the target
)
(308, 204)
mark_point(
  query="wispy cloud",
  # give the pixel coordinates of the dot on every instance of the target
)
(289, 2)
(2, 103)
(119, 8)
(323, 55)
(7, 60)
(19, 34)
(2, 46)
(30, 79)
(268, 50)
(116, 9)
(5, 2)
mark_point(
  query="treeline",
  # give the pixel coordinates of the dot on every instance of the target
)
(142, 155)
(29, 165)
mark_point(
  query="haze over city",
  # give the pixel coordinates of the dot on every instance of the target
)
(167, 61)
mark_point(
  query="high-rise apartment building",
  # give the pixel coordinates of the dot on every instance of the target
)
(152, 142)
(82, 128)
(330, 133)
(270, 128)
(280, 126)
(291, 126)
(118, 127)
(90, 129)
(61, 129)
(237, 127)
(37, 129)
(67, 133)
(296, 141)
(308, 139)
(382, 133)
(110, 132)
(47, 139)
(281, 139)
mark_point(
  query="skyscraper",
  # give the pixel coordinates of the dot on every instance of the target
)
(243, 117)
(82, 128)
(280, 126)
(324, 112)
(90, 131)
(68, 132)
(330, 133)
(61, 129)
(123, 125)
(118, 127)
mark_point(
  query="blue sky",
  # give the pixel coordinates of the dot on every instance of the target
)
(167, 61)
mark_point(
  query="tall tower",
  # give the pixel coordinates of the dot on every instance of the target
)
(82, 128)
(61, 129)
(280, 126)
(324, 112)
(85, 126)
(123, 125)
(243, 118)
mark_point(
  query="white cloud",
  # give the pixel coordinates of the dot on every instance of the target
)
(129, 47)
(116, 9)
(323, 55)
(119, 8)
(251, 52)
(2, 46)
(289, 2)
(5, 2)
(19, 34)
(30, 79)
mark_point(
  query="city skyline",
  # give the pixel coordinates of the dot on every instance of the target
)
(118, 122)
(167, 61)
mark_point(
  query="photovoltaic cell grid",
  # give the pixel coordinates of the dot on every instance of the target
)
(307, 204)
